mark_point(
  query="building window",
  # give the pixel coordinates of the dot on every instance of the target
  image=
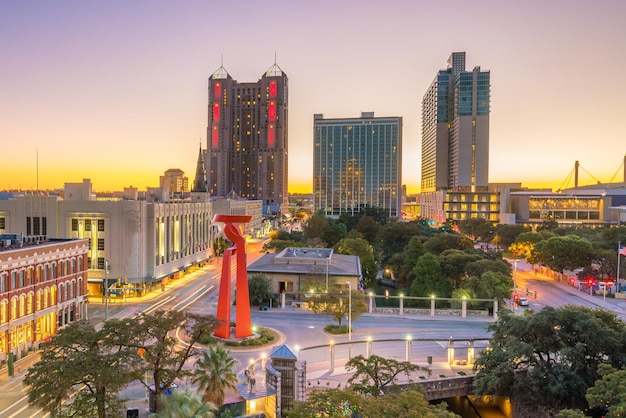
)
(29, 304)
(14, 308)
(100, 244)
(13, 280)
(101, 225)
(44, 226)
(22, 278)
(100, 263)
(87, 225)
(22, 305)
(4, 313)
(74, 225)
(36, 225)
(2, 223)
(3, 283)
(28, 226)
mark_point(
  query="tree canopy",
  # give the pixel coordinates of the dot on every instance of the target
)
(545, 362)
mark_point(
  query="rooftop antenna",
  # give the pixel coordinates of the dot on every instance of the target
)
(37, 170)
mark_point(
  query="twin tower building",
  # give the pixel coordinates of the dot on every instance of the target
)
(357, 162)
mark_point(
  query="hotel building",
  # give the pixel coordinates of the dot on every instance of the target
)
(455, 146)
(247, 138)
(357, 162)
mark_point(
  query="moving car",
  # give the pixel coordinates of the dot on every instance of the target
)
(523, 302)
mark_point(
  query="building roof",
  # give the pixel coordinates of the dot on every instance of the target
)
(307, 261)
(283, 352)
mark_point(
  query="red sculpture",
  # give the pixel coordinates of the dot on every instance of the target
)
(243, 325)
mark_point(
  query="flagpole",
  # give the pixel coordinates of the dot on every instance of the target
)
(619, 247)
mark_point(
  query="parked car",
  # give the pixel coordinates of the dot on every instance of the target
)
(523, 302)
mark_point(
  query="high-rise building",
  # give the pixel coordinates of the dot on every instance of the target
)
(357, 162)
(455, 146)
(455, 128)
(247, 138)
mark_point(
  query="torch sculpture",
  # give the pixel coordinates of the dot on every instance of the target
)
(243, 326)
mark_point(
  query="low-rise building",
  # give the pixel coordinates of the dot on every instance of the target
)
(295, 271)
(43, 287)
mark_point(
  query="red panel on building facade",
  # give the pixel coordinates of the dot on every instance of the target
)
(271, 110)
(214, 137)
(272, 89)
(216, 112)
(218, 90)
(271, 136)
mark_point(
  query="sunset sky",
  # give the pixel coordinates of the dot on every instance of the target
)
(116, 91)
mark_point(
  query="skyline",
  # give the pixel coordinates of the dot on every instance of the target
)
(117, 92)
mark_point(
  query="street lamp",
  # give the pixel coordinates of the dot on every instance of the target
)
(106, 289)
(327, 260)
(349, 319)
(515, 276)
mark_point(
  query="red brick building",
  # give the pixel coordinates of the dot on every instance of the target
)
(43, 286)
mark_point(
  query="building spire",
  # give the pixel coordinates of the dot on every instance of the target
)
(199, 182)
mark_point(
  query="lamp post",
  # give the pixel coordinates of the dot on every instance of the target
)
(515, 276)
(327, 260)
(349, 319)
(106, 289)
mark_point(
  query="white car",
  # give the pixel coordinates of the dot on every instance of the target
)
(523, 302)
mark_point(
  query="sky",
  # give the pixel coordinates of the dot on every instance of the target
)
(116, 91)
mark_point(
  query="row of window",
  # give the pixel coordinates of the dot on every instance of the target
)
(33, 275)
(23, 305)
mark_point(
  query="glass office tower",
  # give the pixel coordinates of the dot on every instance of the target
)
(357, 162)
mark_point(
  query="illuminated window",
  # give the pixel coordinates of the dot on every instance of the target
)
(22, 305)
(14, 308)
(4, 312)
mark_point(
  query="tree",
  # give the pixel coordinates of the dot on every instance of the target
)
(365, 252)
(215, 373)
(545, 362)
(186, 404)
(507, 234)
(447, 241)
(369, 228)
(564, 253)
(79, 361)
(453, 265)
(316, 226)
(414, 250)
(478, 229)
(259, 289)
(277, 245)
(525, 243)
(491, 285)
(162, 358)
(394, 237)
(373, 375)
(409, 403)
(429, 279)
(609, 392)
(337, 304)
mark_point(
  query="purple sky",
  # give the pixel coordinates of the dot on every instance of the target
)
(115, 91)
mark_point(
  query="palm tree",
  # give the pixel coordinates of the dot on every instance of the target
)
(215, 373)
(186, 404)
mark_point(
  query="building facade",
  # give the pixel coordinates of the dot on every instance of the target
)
(357, 162)
(455, 128)
(294, 271)
(43, 287)
(144, 242)
(175, 181)
(247, 138)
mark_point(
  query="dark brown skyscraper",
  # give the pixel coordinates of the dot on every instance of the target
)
(247, 138)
